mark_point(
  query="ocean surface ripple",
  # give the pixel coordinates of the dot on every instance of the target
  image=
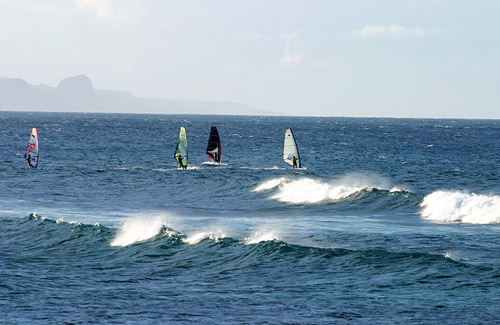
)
(390, 221)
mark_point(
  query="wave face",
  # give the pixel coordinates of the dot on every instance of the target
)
(455, 206)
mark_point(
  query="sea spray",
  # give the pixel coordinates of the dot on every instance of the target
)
(138, 229)
(264, 233)
(270, 184)
(456, 206)
(199, 236)
(73, 223)
(258, 237)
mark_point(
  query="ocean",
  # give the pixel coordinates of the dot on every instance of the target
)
(390, 221)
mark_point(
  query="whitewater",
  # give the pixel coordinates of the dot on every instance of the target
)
(390, 221)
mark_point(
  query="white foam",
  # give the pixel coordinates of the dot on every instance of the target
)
(213, 163)
(456, 206)
(36, 216)
(138, 229)
(73, 223)
(261, 236)
(455, 255)
(270, 184)
(198, 237)
(264, 168)
(170, 233)
(307, 190)
(189, 167)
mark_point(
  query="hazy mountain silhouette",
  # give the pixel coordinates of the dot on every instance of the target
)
(18, 94)
(77, 94)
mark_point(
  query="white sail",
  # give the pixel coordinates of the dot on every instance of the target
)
(290, 149)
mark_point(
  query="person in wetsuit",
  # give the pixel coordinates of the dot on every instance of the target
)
(28, 159)
(180, 157)
(294, 162)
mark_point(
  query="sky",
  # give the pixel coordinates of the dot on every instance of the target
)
(371, 58)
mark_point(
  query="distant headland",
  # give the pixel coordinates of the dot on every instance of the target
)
(77, 94)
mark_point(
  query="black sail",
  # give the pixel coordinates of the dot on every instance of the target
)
(213, 147)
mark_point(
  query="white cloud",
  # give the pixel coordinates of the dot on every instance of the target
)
(102, 9)
(391, 30)
(110, 9)
(48, 8)
(292, 49)
(288, 36)
(290, 60)
(324, 66)
(252, 37)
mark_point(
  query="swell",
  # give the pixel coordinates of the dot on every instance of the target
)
(41, 241)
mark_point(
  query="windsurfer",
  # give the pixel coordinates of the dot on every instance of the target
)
(181, 165)
(28, 159)
(294, 162)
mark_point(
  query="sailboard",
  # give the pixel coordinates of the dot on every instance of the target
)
(290, 149)
(214, 145)
(181, 151)
(31, 154)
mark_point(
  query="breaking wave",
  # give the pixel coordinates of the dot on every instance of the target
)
(306, 190)
(199, 236)
(138, 229)
(262, 235)
(456, 206)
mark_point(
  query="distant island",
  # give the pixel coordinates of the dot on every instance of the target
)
(77, 94)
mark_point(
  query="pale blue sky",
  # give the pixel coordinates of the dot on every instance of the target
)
(390, 58)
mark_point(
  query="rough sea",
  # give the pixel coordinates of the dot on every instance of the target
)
(390, 221)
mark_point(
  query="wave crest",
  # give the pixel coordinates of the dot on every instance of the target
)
(307, 190)
(456, 206)
(138, 229)
(198, 237)
(264, 234)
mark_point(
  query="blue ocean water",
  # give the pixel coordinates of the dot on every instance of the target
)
(390, 221)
